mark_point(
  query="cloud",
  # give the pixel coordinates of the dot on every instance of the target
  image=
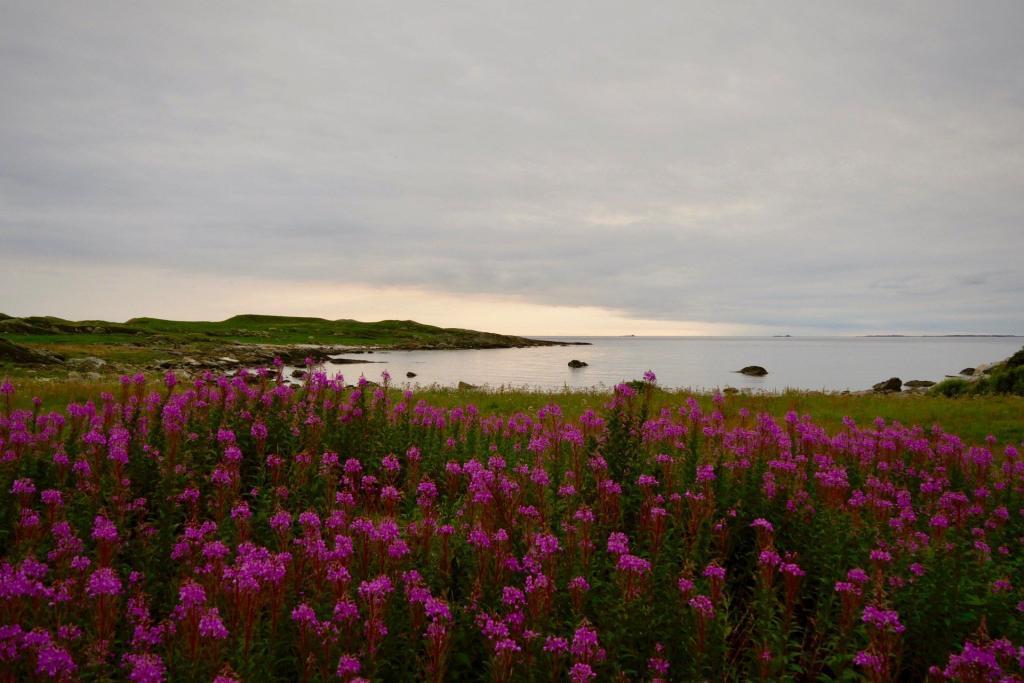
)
(841, 168)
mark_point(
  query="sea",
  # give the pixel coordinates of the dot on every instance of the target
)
(697, 363)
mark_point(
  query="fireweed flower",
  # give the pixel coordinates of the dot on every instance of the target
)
(211, 626)
(555, 645)
(857, 576)
(867, 660)
(1002, 586)
(703, 606)
(104, 530)
(579, 583)
(581, 673)
(705, 611)
(103, 582)
(145, 668)
(586, 646)
(348, 666)
(632, 571)
(54, 661)
(23, 487)
(992, 661)
(717, 576)
(618, 543)
(884, 620)
(191, 594)
(658, 665)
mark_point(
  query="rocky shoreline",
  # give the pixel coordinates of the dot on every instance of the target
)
(223, 358)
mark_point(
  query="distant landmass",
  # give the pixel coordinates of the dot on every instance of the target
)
(1001, 336)
(243, 340)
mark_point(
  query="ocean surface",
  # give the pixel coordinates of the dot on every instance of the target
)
(810, 363)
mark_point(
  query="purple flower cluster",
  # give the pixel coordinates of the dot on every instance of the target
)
(238, 528)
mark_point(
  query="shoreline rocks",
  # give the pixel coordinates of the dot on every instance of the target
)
(891, 385)
(577, 364)
(753, 371)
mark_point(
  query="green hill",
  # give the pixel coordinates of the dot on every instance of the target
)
(142, 342)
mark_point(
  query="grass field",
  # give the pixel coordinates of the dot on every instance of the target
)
(972, 417)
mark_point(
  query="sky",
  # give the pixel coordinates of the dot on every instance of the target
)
(524, 167)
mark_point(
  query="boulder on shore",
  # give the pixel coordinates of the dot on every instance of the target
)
(754, 371)
(466, 385)
(298, 374)
(893, 384)
(987, 368)
(917, 383)
(87, 363)
(967, 371)
(577, 364)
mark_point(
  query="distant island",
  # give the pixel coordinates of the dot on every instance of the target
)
(142, 344)
(1001, 336)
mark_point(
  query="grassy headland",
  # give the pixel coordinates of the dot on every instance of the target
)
(51, 345)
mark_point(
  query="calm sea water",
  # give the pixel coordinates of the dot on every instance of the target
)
(830, 363)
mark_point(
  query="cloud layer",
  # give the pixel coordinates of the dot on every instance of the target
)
(833, 167)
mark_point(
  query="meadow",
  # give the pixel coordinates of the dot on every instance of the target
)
(242, 529)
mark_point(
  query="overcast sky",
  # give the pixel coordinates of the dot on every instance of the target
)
(532, 167)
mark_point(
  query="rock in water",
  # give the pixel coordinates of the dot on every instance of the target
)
(577, 364)
(298, 374)
(892, 384)
(916, 383)
(754, 371)
(410, 374)
(466, 385)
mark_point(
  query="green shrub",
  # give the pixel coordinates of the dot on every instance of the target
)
(1009, 380)
(951, 388)
(1016, 360)
(1005, 378)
